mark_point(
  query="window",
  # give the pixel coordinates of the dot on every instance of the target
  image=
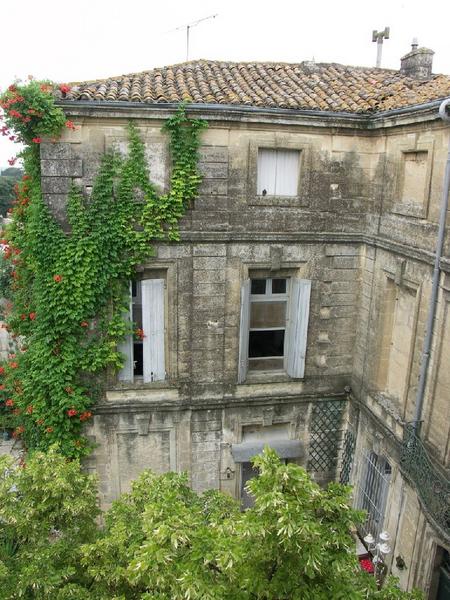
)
(373, 491)
(274, 324)
(415, 171)
(278, 172)
(145, 350)
(254, 439)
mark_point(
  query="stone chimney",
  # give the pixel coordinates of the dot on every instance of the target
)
(418, 63)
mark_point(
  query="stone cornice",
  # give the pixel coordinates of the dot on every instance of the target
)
(241, 114)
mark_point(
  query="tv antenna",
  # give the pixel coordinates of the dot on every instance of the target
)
(188, 27)
(378, 37)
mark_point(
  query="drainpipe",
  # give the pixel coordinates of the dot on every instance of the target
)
(425, 358)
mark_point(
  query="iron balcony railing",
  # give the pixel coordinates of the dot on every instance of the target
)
(431, 483)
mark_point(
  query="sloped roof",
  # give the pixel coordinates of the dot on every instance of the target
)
(322, 86)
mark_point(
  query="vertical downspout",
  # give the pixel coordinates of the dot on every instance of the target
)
(425, 358)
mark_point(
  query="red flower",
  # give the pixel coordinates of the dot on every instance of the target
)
(366, 564)
(2, 370)
(140, 333)
(37, 140)
(40, 422)
(2, 387)
(85, 415)
(64, 88)
(32, 316)
(12, 88)
(9, 402)
(70, 125)
(46, 88)
(57, 278)
(18, 431)
(72, 412)
(84, 324)
(12, 161)
(30, 409)
(15, 114)
(23, 317)
(13, 365)
(12, 138)
(26, 177)
(49, 429)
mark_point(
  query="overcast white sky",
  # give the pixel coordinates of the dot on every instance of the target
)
(90, 39)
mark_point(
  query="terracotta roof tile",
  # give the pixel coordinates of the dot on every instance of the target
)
(322, 86)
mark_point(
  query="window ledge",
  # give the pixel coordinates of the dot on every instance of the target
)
(289, 201)
(267, 377)
(158, 391)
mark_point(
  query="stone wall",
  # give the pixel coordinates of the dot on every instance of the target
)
(362, 228)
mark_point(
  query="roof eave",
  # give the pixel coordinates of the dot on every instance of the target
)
(96, 108)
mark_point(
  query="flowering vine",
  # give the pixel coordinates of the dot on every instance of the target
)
(66, 293)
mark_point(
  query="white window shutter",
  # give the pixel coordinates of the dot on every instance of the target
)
(153, 326)
(300, 293)
(244, 331)
(126, 348)
(267, 166)
(287, 173)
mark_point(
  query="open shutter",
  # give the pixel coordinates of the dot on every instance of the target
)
(244, 331)
(298, 327)
(126, 348)
(153, 326)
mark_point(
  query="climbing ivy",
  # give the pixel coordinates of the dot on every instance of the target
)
(67, 290)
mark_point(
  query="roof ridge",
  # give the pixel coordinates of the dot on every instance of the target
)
(233, 63)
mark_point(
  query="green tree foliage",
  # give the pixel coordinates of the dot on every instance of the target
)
(48, 509)
(8, 179)
(162, 541)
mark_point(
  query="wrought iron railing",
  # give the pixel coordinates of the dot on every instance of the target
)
(431, 483)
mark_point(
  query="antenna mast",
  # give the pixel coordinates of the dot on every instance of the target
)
(378, 37)
(189, 26)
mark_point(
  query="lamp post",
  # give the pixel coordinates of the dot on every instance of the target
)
(379, 551)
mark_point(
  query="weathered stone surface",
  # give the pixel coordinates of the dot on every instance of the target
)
(62, 168)
(55, 151)
(347, 230)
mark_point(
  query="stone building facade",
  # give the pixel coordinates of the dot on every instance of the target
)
(292, 311)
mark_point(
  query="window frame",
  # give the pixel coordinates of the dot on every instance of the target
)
(284, 142)
(127, 346)
(277, 157)
(269, 297)
(297, 325)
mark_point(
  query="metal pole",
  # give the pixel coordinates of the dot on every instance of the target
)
(425, 358)
(379, 50)
(187, 42)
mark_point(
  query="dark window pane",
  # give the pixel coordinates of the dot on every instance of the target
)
(138, 359)
(266, 343)
(134, 289)
(248, 471)
(278, 286)
(258, 286)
